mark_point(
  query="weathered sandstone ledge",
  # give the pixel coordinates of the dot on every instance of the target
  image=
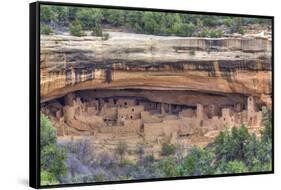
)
(224, 66)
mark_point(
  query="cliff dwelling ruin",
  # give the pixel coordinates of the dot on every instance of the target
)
(151, 90)
(148, 117)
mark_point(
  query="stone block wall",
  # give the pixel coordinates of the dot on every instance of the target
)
(131, 112)
(149, 118)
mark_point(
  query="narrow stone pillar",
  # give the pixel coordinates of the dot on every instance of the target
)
(163, 109)
(199, 111)
(170, 108)
(99, 104)
(251, 110)
(159, 107)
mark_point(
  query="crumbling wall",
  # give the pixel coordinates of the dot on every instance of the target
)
(130, 128)
(227, 118)
(149, 118)
(187, 113)
(211, 110)
(131, 112)
(153, 130)
(109, 113)
(93, 121)
(125, 102)
(170, 126)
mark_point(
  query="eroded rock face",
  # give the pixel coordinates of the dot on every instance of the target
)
(129, 61)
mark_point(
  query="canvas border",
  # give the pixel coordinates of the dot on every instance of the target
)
(34, 97)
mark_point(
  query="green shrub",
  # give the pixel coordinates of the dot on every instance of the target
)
(61, 14)
(48, 134)
(241, 31)
(99, 178)
(46, 13)
(231, 146)
(198, 162)
(126, 162)
(241, 146)
(267, 131)
(228, 22)
(45, 29)
(97, 31)
(235, 167)
(114, 17)
(237, 25)
(211, 20)
(215, 33)
(52, 158)
(157, 23)
(211, 33)
(47, 178)
(105, 36)
(168, 149)
(203, 33)
(149, 23)
(89, 17)
(76, 29)
(170, 167)
(182, 29)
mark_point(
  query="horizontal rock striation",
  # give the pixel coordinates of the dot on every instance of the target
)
(218, 66)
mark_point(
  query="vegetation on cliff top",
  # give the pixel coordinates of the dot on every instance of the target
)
(144, 22)
(235, 151)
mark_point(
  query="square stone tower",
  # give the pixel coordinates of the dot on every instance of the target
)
(199, 112)
(251, 110)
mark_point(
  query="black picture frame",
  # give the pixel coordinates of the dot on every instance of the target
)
(34, 93)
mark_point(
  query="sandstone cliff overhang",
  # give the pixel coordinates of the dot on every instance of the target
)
(132, 61)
